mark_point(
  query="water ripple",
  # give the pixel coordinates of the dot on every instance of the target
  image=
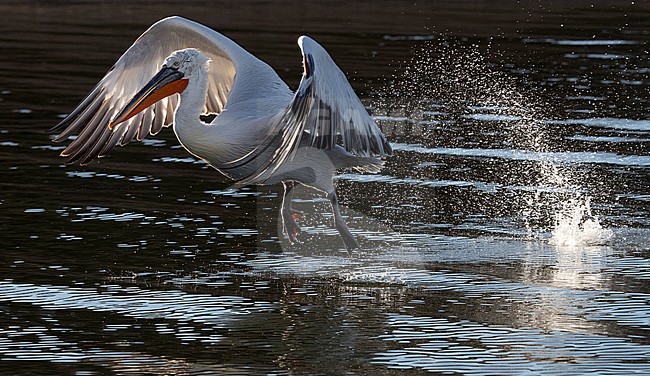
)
(378, 178)
(612, 123)
(213, 311)
(524, 155)
(441, 345)
(581, 42)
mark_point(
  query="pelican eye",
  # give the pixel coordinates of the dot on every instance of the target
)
(176, 64)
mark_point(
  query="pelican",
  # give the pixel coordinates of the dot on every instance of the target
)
(179, 70)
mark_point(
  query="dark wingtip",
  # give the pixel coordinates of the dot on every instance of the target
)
(388, 150)
(74, 158)
(64, 123)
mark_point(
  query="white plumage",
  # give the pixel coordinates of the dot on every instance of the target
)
(263, 134)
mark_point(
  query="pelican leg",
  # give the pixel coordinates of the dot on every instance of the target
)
(339, 223)
(289, 214)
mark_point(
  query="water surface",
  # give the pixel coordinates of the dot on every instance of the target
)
(509, 234)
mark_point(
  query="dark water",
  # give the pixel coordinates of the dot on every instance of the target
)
(509, 234)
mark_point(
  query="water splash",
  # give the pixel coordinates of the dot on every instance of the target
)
(456, 79)
(563, 208)
(575, 225)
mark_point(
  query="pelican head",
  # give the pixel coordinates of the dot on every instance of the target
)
(173, 77)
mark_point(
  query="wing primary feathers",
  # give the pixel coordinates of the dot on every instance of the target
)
(145, 125)
(85, 135)
(326, 110)
(159, 117)
(132, 129)
(86, 139)
(82, 118)
(131, 72)
(113, 141)
(71, 117)
(95, 150)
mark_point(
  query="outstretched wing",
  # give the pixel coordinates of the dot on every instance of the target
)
(326, 110)
(133, 70)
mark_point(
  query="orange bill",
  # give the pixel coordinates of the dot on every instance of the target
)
(167, 82)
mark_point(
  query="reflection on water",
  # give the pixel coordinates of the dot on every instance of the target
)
(508, 234)
(440, 345)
